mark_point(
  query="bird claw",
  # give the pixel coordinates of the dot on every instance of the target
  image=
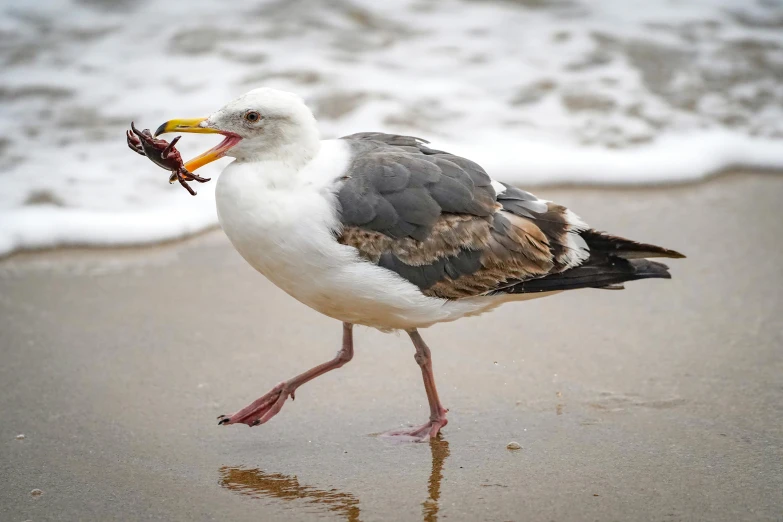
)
(261, 410)
(422, 433)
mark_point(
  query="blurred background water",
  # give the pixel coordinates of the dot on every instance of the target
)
(536, 91)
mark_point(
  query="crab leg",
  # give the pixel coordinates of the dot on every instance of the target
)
(167, 150)
(184, 184)
(195, 177)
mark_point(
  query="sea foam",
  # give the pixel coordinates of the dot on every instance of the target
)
(566, 91)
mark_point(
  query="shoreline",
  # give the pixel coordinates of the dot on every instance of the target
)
(541, 188)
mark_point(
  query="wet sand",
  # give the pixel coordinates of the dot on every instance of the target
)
(661, 402)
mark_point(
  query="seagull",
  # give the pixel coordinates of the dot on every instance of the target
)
(384, 231)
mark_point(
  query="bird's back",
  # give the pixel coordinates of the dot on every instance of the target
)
(440, 222)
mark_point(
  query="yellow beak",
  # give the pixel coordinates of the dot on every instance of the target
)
(194, 125)
(185, 125)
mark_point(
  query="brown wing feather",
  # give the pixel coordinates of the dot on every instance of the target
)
(506, 248)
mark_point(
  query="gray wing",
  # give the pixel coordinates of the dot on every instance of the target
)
(434, 219)
(400, 187)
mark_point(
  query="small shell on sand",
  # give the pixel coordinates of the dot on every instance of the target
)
(513, 445)
(20, 436)
(36, 492)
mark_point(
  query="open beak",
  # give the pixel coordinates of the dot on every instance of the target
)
(198, 125)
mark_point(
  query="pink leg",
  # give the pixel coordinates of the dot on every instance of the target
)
(266, 407)
(437, 411)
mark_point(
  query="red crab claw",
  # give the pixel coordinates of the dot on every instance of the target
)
(136, 131)
(135, 143)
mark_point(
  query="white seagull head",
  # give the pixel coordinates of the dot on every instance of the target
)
(260, 125)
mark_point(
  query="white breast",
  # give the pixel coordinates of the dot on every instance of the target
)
(282, 222)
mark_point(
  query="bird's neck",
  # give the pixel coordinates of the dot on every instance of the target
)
(292, 151)
(281, 167)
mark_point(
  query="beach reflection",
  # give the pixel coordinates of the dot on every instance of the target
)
(430, 507)
(257, 483)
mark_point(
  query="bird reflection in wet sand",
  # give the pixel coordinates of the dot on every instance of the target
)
(260, 484)
(430, 507)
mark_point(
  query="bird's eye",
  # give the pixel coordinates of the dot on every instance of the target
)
(252, 116)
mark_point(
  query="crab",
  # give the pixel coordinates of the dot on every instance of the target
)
(163, 154)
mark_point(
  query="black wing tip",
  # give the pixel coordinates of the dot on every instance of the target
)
(646, 269)
(599, 241)
(656, 251)
(611, 272)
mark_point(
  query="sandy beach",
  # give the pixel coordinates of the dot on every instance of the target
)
(661, 402)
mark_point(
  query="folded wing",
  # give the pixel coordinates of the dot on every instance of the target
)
(440, 222)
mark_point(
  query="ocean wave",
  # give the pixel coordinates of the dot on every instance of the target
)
(566, 91)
